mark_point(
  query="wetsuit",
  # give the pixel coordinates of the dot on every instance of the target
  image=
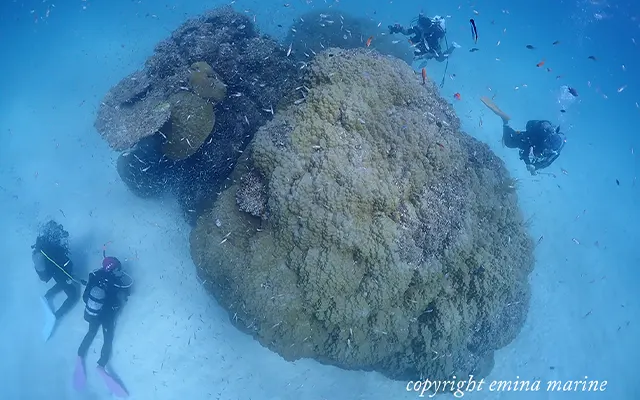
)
(102, 299)
(540, 144)
(51, 261)
(426, 37)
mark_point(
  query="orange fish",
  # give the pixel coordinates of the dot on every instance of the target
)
(457, 96)
(540, 64)
(424, 76)
(369, 41)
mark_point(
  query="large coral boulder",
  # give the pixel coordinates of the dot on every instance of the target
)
(388, 240)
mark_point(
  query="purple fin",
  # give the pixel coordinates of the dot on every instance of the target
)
(112, 384)
(79, 375)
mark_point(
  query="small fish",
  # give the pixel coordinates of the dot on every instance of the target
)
(574, 240)
(563, 111)
(622, 88)
(369, 41)
(564, 171)
(424, 76)
(440, 145)
(592, 58)
(556, 42)
(530, 47)
(617, 182)
(540, 240)
(548, 69)
(573, 92)
(457, 96)
(474, 31)
(269, 110)
(540, 64)
(473, 50)
(289, 50)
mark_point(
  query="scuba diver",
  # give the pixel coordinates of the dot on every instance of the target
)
(540, 144)
(50, 257)
(105, 294)
(427, 35)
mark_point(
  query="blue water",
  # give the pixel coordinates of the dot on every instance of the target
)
(58, 61)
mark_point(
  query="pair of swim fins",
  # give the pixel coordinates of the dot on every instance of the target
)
(112, 383)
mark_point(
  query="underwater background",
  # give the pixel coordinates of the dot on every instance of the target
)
(174, 341)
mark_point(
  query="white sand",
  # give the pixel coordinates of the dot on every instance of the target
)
(174, 342)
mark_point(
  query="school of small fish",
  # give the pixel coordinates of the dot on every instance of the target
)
(325, 20)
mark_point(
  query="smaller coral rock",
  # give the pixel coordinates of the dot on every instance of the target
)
(131, 111)
(205, 82)
(192, 120)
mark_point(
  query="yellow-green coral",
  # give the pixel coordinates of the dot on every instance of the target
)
(206, 83)
(192, 120)
(384, 237)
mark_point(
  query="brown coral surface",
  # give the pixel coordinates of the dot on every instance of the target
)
(386, 243)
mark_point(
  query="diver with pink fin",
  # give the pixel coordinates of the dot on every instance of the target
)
(104, 295)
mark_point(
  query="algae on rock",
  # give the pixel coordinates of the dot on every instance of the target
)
(206, 83)
(383, 244)
(192, 120)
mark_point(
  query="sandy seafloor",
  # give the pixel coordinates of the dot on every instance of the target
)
(174, 342)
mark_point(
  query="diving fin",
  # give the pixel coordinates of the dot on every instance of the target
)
(114, 386)
(79, 375)
(493, 107)
(49, 320)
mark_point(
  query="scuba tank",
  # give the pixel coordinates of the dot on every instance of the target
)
(97, 296)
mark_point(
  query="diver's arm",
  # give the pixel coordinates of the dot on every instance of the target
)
(46, 275)
(397, 28)
(90, 284)
(544, 162)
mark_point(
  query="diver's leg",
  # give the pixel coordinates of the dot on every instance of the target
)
(88, 338)
(450, 49)
(55, 289)
(108, 325)
(496, 110)
(510, 137)
(72, 296)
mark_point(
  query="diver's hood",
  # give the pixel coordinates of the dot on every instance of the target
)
(440, 21)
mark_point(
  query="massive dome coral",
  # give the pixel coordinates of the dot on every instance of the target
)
(372, 232)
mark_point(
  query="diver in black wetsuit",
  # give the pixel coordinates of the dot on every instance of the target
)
(104, 295)
(540, 144)
(426, 36)
(51, 260)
